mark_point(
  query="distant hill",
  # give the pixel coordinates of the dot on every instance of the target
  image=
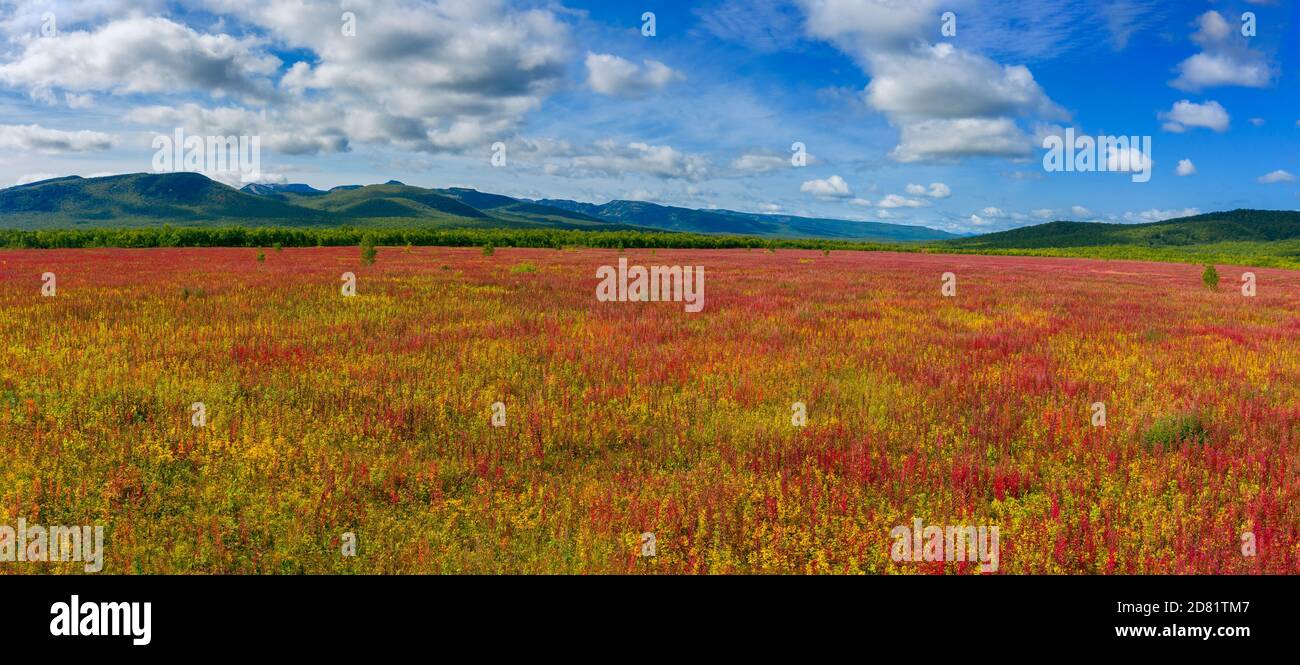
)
(511, 207)
(458, 206)
(1209, 228)
(172, 197)
(379, 200)
(672, 218)
(187, 199)
(277, 190)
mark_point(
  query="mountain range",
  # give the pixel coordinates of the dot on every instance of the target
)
(186, 199)
(192, 199)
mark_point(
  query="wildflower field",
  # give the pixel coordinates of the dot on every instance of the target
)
(372, 414)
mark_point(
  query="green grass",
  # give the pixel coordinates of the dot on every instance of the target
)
(1170, 432)
(1274, 254)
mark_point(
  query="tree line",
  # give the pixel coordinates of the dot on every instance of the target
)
(271, 236)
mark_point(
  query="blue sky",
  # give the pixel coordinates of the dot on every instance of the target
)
(901, 122)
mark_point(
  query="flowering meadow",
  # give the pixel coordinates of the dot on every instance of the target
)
(372, 415)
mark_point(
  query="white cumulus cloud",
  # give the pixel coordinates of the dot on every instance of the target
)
(947, 103)
(419, 75)
(760, 162)
(143, 55)
(1186, 114)
(609, 158)
(896, 201)
(1156, 215)
(936, 190)
(35, 138)
(1225, 58)
(832, 187)
(611, 75)
(1278, 176)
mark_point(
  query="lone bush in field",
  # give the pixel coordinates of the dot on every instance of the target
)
(1210, 277)
(1166, 433)
(489, 250)
(368, 250)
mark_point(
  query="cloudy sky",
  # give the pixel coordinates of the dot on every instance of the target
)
(900, 122)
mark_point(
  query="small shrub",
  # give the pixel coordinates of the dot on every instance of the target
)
(524, 267)
(489, 250)
(1210, 277)
(1168, 432)
(1153, 336)
(368, 250)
